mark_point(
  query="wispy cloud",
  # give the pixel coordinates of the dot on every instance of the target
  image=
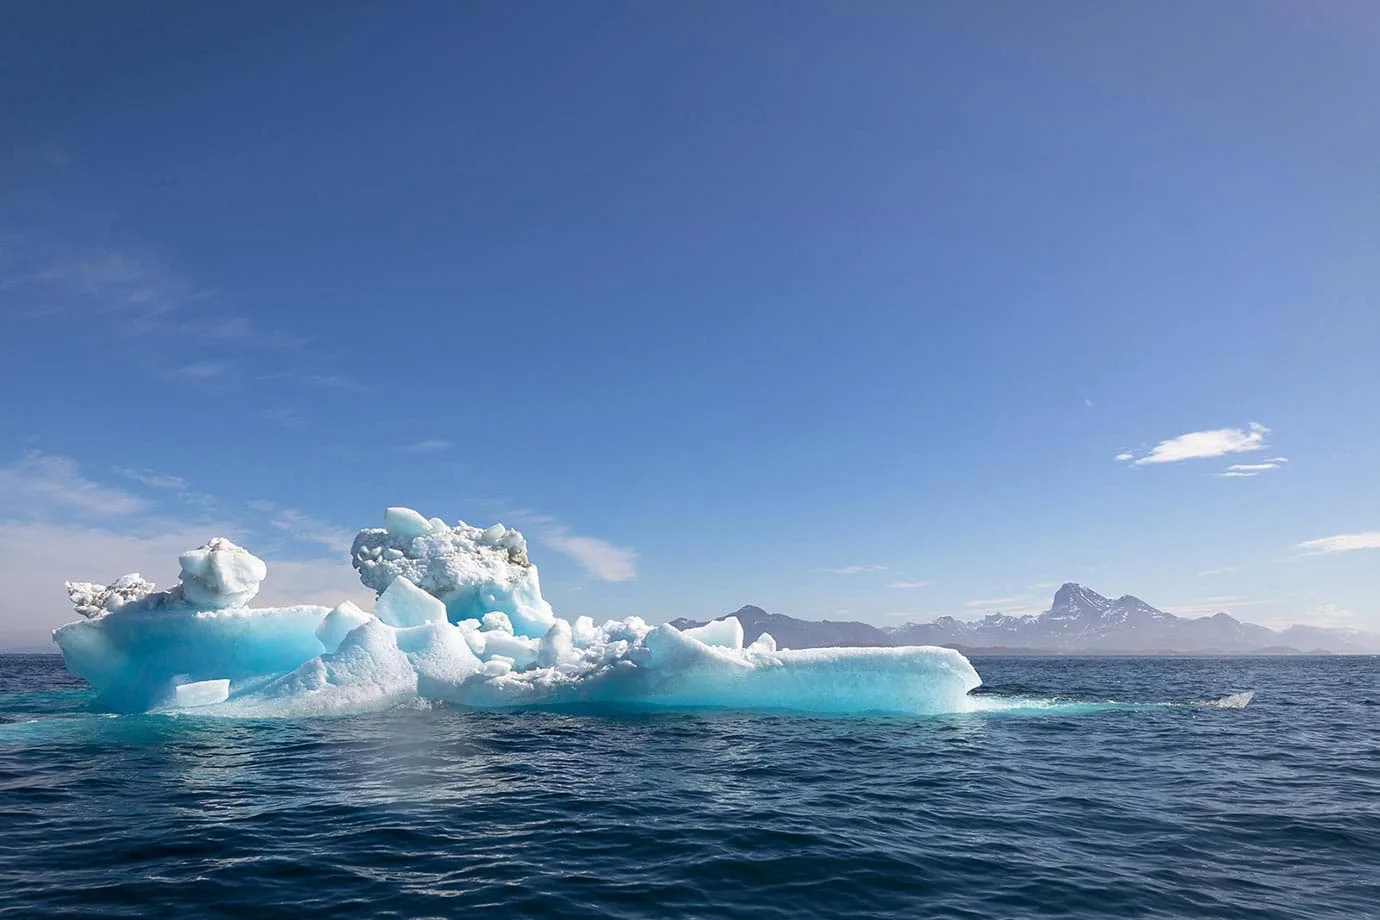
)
(1223, 603)
(1201, 445)
(36, 558)
(288, 418)
(50, 156)
(1341, 543)
(203, 370)
(99, 283)
(155, 480)
(1246, 470)
(430, 446)
(855, 569)
(991, 603)
(38, 482)
(57, 523)
(1220, 571)
(1334, 616)
(303, 526)
(342, 382)
(909, 584)
(600, 558)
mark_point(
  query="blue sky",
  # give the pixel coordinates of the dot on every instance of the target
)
(843, 310)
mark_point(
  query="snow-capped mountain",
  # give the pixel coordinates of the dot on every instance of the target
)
(1081, 620)
(1078, 620)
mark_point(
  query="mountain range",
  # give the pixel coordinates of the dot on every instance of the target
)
(1079, 621)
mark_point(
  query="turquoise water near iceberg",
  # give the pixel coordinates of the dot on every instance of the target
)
(1084, 787)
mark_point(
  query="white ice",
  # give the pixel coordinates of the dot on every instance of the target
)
(459, 618)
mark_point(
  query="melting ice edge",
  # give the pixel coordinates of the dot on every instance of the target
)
(460, 618)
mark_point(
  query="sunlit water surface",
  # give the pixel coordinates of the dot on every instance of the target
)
(1072, 792)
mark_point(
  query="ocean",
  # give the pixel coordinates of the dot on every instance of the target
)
(1089, 787)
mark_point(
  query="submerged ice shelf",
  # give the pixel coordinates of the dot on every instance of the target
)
(459, 618)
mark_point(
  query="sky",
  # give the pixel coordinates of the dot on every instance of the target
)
(876, 311)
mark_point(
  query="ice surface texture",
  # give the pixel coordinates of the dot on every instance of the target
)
(459, 618)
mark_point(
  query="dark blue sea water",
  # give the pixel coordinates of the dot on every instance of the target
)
(1046, 811)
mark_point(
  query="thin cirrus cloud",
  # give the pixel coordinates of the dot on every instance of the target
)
(42, 483)
(992, 602)
(855, 569)
(429, 446)
(1202, 445)
(1248, 470)
(302, 526)
(1341, 543)
(600, 558)
(154, 479)
(203, 370)
(57, 522)
(901, 585)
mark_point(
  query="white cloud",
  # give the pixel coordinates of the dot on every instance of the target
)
(38, 483)
(1237, 474)
(600, 558)
(429, 446)
(1341, 543)
(855, 569)
(909, 584)
(1222, 571)
(1046, 585)
(1121, 458)
(1199, 445)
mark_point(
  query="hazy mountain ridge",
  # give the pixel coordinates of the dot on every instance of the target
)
(1079, 620)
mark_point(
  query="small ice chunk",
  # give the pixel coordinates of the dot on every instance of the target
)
(405, 523)
(405, 604)
(725, 633)
(202, 693)
(521, 650)
(585, 633)
(557, 646)
(339, 623)
(492, 535)
(497, 666)
(92, 600)
(220, 575)
(440, 656)
(763, 644)
(497, 621)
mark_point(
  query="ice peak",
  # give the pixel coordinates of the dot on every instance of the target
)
(220, 574)
(472, 570)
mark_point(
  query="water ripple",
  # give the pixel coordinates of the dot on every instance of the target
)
(1084, 808)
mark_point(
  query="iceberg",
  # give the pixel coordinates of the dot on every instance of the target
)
(459, 618)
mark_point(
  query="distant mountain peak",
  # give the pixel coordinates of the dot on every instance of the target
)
(1074, 600)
